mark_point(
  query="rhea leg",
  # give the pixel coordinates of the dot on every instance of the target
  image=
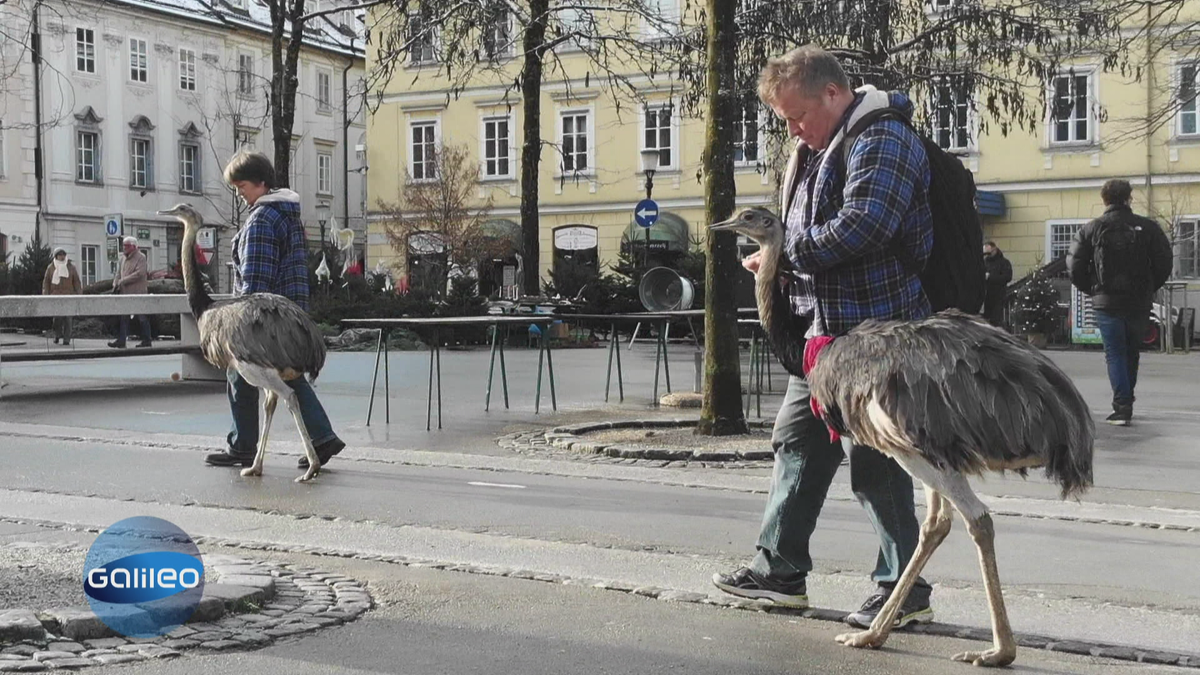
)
(268, 412)
(933, 532)
(314, 462)
(979, 524)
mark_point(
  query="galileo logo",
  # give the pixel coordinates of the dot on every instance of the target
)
(143, 577)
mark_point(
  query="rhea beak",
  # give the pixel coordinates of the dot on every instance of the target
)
(724, 225)
(168, 212)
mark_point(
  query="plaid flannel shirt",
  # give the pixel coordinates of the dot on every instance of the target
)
(270, 252)
(843, 235)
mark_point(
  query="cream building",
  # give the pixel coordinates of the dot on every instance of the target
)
(1035, 188)
(145, 100)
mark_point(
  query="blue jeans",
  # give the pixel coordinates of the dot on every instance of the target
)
(805, 463)
(1122, 334)
(243, 403)
(124, 333)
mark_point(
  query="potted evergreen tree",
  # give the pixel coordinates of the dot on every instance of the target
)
(1035, 310)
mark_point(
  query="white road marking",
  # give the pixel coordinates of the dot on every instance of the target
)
(154, 412)
(499, 485)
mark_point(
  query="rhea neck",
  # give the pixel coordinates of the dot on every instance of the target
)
(198, 298)
(766, 279)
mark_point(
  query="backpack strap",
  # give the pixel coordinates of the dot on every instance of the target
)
(848, 140)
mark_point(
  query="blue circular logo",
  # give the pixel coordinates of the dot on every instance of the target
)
(143, 577)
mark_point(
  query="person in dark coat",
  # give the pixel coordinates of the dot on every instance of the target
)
(1120, 259)
(998, 274)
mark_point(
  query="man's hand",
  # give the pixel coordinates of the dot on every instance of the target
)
(752, 261)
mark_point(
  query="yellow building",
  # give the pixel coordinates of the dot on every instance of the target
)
(1035, 188)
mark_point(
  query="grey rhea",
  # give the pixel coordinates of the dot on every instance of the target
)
(268, 339)
(947, 397)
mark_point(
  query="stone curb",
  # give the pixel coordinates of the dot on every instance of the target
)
(572, 437)
(251, 605)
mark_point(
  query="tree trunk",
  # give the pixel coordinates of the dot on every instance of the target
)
(722, 411)
(285, 57)
(531, 147)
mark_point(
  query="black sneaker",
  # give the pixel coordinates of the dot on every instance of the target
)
(914, 610)
(143, 344)
(325, 452)
(117, 344)
(1120, 417)
(746, 583)
(228, 459)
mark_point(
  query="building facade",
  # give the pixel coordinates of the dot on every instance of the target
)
(1036, 187)
(144, 102)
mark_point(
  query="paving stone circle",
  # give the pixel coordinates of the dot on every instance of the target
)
(251, 605)
(571, 441)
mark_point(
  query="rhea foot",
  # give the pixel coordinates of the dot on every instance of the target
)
(255, 470)
(866, 638)
(992, 658)
(312, 472)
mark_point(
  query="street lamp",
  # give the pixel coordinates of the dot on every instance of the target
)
(322, 218)
(649, 166)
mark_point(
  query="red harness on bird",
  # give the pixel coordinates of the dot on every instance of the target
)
(812, 349)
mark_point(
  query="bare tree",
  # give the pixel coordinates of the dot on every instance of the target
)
(442, 216)
(474, 41)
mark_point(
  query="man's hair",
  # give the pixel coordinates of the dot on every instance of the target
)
(806, 69)
(250, 166)
(130, 241)
(1116, 191)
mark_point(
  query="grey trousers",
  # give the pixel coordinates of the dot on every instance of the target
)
(805, 463)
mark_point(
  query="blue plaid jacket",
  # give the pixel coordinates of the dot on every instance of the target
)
(270, 252)
(844, 235)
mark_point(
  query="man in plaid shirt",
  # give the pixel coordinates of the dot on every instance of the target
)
(270, 255)
(858, 229)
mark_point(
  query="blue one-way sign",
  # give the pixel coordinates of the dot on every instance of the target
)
(646, 212)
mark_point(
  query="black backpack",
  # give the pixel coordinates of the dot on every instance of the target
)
(1121, 259)
(953, 276)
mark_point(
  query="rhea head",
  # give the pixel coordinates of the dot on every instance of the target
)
(190, 217)
(755, 222)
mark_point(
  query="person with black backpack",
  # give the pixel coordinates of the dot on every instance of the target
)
(880, 224)
(1120, 259)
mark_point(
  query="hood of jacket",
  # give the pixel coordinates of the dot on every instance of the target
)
(280, 199)
(870, 99)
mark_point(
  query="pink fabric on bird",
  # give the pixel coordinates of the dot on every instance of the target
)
(812, 349)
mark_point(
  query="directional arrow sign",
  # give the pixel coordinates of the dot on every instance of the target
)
(646, 212)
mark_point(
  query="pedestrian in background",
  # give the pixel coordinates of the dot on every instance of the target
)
(62, 278)
(998, 273)
(133, 280)
(1120, 259)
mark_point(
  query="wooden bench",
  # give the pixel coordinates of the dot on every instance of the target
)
(193, 367)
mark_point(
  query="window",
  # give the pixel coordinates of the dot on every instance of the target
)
(662, 17)
(498, 35)
(575, 142)
(1187, 99)
(87, 259)
(85, 50)
(87, 157)
(423, 155)
(245, 85)
(324, 90)
(656, 135)
(187, 70)
(247, 139)
(745, 133)
(1187, 249)
(497, 146)
(324, 173)
(139, 163)
(1071, 114)
(951, 116)
(189, 168)
(1060, 240)
(138, 67)
(422, 49)
(941, 5)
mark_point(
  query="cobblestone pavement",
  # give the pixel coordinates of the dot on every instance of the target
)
(253, 604)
